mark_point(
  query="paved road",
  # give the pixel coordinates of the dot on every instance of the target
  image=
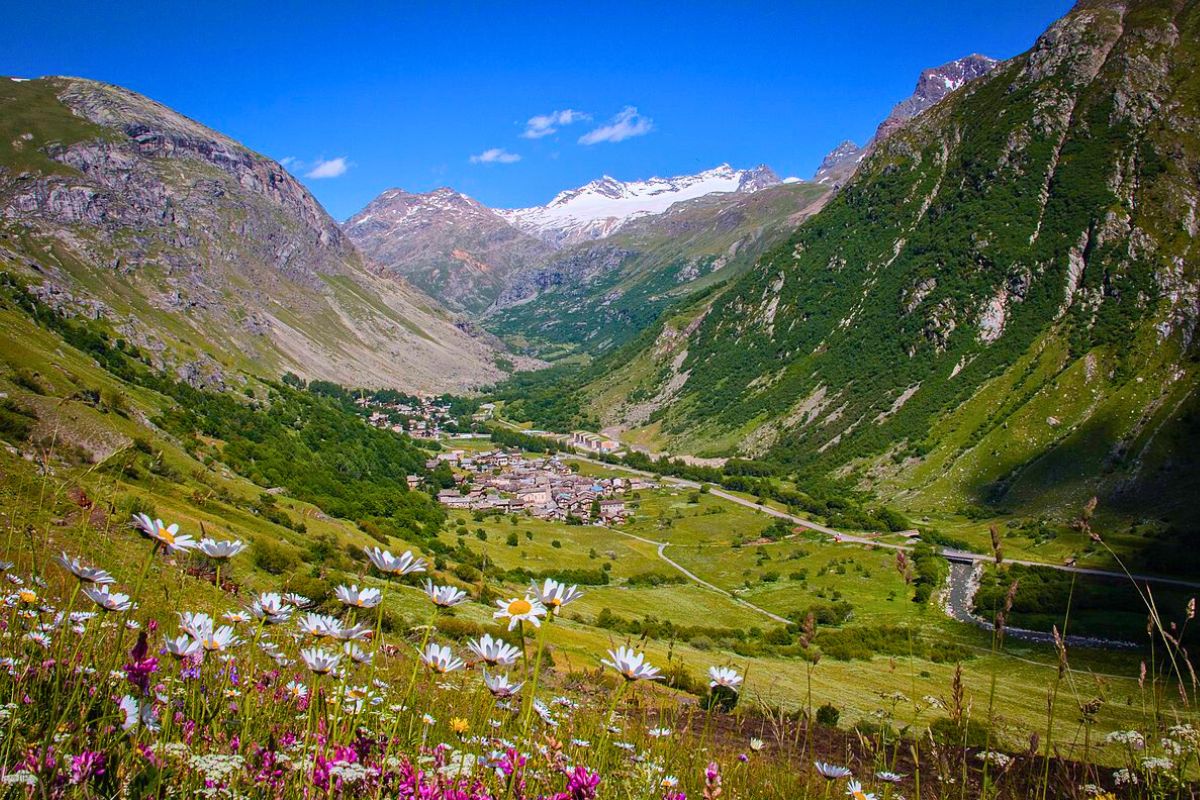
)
(842, 536)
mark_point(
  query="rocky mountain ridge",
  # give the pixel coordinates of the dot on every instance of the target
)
(599, 208)
(449, 245)
(932, 85)
(203, 252)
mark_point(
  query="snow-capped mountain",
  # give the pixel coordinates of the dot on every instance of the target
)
(599, 208)
(932, 85)
(839, 164)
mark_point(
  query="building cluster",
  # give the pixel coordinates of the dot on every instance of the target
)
(510, 481)
(423, 419)
(594, 442)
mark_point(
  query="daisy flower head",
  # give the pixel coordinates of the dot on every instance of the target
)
(182, 647)
(351, 634)
(271, 608)
(166, 536)
(496, 652)
(444, 596)
(196, 624)
(357, 654)
(554, 595)
(221, 550)
(358, 598)
(109, 601)
(889, 777)
(218, 640)
(440, 659)
(236, 617)
(724, 676)
(631, 664)
(318, 626)
(854, 790)
(297, 600)
(84, 573)
(500, 685)
(296, 690)
(831, 772)
(520, 609)
(321, 662)
(404, 564)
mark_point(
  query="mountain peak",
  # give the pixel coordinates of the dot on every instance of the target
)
(933, 84)
(600, 207)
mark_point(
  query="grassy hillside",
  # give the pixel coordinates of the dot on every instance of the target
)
(998, 311)
(202, 252)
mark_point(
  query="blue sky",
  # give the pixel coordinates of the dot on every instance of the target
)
(406, 94)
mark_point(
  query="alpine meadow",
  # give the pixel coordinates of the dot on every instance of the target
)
(507, 478)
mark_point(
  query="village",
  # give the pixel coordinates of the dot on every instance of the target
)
(420, 417)
(508, 481)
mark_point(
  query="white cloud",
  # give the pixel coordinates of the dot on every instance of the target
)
(287, 161)
(546, 124)
(328, 168)
(497, 155)
(627, 124)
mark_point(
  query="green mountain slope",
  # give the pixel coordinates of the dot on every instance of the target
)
(202, 252)
(1000, 308)
(600, 294)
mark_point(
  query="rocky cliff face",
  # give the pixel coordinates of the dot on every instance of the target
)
(933, 85)
(1000, 306)
(839, 164)
(204, 252)
(445, 243)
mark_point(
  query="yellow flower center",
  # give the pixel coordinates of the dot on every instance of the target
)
(860, 795)
(519, 607)
(27, 596)
(166, 535)
(459, 725)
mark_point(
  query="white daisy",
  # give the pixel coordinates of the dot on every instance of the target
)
(221, 550)
(400, 565)
(109, 601)
(518, 610)
(494, 651)
(166, 536)
(724, 676)
(444, 596)
(631, 664)
(84, 573)
(358, 598)
(499, 684)
(322, 662)
(554, 595)
(440, 659)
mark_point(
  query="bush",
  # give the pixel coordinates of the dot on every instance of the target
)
(970, 733)
(16, 422)
(458, 628)
(828, 715)
(273, 557)
(654, 579)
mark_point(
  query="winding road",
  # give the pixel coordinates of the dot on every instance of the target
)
(961, 556)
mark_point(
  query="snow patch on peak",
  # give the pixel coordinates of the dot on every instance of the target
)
(600, 207)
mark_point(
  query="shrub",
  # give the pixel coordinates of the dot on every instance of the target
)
(273, 557)
(828, 715)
